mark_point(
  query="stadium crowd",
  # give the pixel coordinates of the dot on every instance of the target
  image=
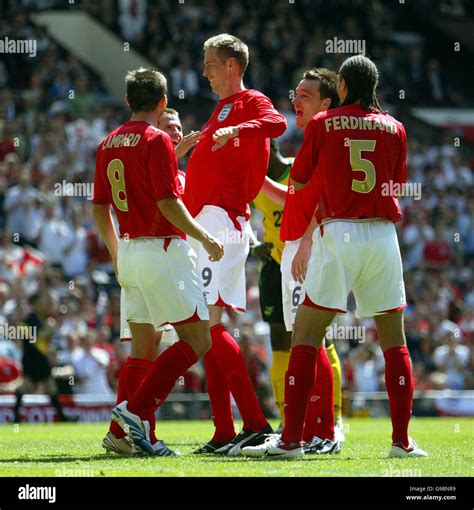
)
(53, 263)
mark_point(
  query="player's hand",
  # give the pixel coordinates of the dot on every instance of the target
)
(262, 251)
(223, 134)
(299, 266)
(189, 141)
(214, 247)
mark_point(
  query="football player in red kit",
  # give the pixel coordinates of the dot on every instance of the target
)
(137, 173)
(143, 353)
(225, 172)
(354, 152)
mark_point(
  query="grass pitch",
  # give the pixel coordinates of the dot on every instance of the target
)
(75, 450)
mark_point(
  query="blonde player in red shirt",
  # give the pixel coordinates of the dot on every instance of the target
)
(225, 172)
(143, 353)
(354, 152)
(137, 173)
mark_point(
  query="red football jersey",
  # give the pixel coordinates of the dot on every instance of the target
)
(136, 166)
(358, 158)
(298, 211)
(232, 176)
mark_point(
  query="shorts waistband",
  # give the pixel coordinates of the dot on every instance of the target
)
(354, 220)
(221, 210)
(296, 241)
(144, 238)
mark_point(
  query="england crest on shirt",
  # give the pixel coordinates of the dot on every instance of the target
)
(224, 113)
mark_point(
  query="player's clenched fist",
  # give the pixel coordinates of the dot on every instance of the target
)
(214, 247)
(223, 134)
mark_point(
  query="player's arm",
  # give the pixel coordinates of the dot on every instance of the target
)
(268, 123)
(101, 211)
(105, 225)
(306, 160)
(275, 191)
(189, 141)
(299, 265)
(165, 189)
(401, 172)
(176, 213)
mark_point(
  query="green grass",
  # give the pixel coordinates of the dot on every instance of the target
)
(75, 450)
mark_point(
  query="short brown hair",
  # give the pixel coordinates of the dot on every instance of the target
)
(327, 83)
(145, 89)
(229, 46)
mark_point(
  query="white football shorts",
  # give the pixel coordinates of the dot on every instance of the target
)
(160, 286)
(224, 281)
(292, 291)
(362, 257)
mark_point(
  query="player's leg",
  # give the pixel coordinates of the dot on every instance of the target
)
(51, 388)
(224, 284)
(218, 390)
(398, 380)
(143, 352)
(337, 382)
(318, 432)
(326, 293)
(380, 292)
(170, 267)
(319, 412)
(227, 361)
(308, 334)
(281, 343)
(271, 307)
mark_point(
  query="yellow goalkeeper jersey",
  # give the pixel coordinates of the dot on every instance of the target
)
(272, 215)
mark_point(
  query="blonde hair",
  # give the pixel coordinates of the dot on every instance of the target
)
(229, 46)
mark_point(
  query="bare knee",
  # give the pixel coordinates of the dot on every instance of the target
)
(390, 330)
(197, 335)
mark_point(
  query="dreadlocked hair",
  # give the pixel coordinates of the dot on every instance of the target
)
(361, 77)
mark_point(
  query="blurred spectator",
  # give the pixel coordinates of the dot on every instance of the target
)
(91, 365)
(451, 358)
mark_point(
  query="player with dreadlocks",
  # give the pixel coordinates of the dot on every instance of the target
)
(354, 153)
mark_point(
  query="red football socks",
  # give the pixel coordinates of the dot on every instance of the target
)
(132, 374)
(299, 380)
(137, 370)
(399, 383)
(319, 419)
(226, 353)
(162, 377)
(219, 395)
(122, 395)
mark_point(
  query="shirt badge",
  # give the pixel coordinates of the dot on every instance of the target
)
(224, 113)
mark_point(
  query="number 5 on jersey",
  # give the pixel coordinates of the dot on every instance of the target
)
(116, 176)
(360, 164)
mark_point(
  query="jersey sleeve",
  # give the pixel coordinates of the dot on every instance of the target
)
(307, 157)
(163, 167)
(268, 122)
(101, 194)
(401, 172)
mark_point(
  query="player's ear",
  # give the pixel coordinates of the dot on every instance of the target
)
(326, 104)
(163, 102)
(231, 63)
(126, 100)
